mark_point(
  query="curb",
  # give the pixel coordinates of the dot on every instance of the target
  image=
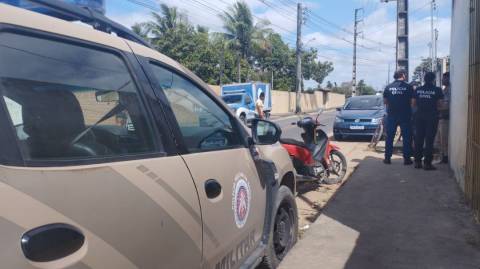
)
(302, 113)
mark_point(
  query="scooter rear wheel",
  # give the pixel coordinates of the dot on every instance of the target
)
(338, 168)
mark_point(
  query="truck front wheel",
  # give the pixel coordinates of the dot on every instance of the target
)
(243, 118)
(284, 232)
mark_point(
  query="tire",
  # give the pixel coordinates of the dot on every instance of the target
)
(286, 223)
(378, 135)
(339, 168)
(243, 118)
(338, 137)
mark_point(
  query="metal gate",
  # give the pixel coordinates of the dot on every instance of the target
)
(472, 179)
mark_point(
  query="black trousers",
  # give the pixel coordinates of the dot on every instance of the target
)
(425, 132)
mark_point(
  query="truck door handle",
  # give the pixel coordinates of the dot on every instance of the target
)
(52, 242)
(212, 188)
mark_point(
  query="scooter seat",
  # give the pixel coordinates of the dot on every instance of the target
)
(290, 141)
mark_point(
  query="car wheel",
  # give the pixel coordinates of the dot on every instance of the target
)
(284, 232)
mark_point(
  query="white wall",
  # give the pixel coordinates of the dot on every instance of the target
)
(459, 78)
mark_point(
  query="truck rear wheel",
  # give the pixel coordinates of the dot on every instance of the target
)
(284, 232)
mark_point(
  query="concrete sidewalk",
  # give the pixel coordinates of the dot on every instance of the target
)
(392, 217)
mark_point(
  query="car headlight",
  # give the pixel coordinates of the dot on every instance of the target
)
(338, 119)
(376, 121)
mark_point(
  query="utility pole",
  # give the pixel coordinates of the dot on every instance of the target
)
(298, 109)
(355, 35)
(433, 56)
(402, 34)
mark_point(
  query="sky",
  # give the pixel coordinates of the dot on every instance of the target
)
(328, 28)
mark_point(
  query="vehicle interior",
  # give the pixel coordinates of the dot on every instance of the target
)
(364, 103)
(62, 121)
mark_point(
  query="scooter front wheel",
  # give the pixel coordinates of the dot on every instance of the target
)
(338, 168)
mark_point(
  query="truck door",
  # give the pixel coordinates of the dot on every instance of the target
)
(94, 186)
(231, 195)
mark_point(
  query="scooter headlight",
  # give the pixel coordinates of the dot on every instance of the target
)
(338, 119)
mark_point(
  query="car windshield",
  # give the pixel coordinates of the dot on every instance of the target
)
(232, 99)
(364, 104)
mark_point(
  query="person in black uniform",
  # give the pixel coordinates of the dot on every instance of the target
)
(398, 97)
(427, 100)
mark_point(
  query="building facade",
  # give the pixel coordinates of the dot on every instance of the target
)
(465, 105)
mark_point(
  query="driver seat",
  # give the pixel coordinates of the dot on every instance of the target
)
(52, 119)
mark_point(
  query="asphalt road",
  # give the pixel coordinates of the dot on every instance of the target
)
(292, 131)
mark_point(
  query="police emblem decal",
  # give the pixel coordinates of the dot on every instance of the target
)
(241, 198)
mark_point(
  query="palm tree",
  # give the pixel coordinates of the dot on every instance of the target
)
(167, 23)
(241, 31)
(141, 29)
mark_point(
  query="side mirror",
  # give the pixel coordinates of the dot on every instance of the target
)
(339, 109)
(265, 132)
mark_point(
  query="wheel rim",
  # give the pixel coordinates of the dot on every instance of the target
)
(283, 231)
(337, 167)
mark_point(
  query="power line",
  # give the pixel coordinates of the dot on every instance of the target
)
(258, 18)
(420, 8)
(336, 26)
(278, 10)
(314, 25)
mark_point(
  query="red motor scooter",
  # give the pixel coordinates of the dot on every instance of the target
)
(315, 158)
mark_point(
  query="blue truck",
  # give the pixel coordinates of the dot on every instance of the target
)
(241, 98)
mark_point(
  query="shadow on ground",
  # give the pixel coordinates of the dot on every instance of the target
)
(392, 217)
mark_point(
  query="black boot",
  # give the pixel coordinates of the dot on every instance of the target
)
(428, 166)
(418, 164)
(407, 161)
(444, 160)
(387, 161)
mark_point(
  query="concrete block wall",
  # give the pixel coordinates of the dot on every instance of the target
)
(308, 102)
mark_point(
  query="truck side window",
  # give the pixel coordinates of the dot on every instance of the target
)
(204, 125)
(70, 102)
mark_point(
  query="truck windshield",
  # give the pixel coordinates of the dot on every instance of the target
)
(232, 99)
(364, 104)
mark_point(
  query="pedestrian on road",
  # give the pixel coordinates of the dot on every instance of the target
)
(428, 99)
(398, 97)
(444, 115)
(259, 106)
